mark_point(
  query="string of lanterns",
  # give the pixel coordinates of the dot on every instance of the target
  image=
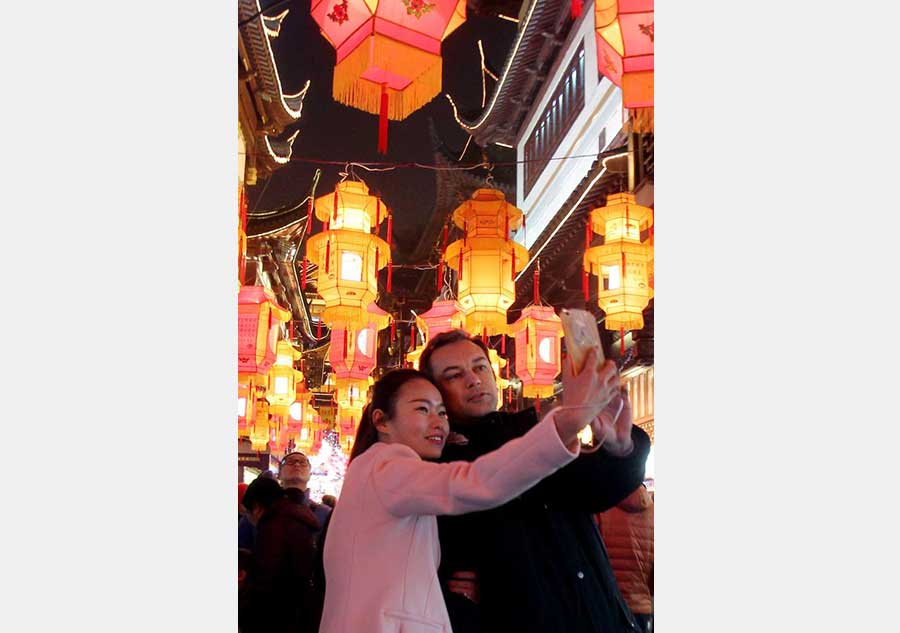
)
(275, 409)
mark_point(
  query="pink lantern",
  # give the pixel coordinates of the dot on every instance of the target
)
(258, 319)
(538, 332)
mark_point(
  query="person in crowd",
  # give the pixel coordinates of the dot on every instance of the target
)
(294, 477)
(329, 500)
(246, 531)
(627, 531)
(279, 588)
(381, 551)
(245, 570)
(536, 564)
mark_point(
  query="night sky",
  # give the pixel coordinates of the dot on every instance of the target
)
(332, 131)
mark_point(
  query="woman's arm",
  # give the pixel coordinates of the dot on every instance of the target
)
(406, 485)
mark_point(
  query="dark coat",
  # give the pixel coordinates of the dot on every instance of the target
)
(541, 564)
(283, 556)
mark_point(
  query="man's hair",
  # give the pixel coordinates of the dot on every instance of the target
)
(262, 492)
(284, 459)
(446, 338)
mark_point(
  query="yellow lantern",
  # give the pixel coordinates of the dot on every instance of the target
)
(282, 390)
(538, 332)
(348, 254)
(351, 394)
(260, 431)
(486, 260)
(497, 363)
(622, 262)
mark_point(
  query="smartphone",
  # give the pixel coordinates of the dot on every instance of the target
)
(582, 334)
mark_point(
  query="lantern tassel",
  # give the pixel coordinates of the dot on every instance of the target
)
(577, 9)
(393, 330)
(319, 329)
(440, 276)
(484, 334)
(460, 267)
(585, 285)
(622, 341)
(537, 405)
(513, 275)
(390, 229)
(377, 253)
(390, 276)
(303, 273)
(335, 205)
(383, 121)
(537, 282)
(503, 351)
(327, 255)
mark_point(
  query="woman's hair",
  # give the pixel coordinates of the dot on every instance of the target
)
(384, 397)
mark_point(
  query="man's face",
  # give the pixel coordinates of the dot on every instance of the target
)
(466, 379)
(295, 471)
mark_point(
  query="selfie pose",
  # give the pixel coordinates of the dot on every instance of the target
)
(381, 551)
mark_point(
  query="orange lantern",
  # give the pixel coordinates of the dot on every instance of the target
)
(348, 254)
(538, 332)
(625, 54)
(282, 388)
(388, 52)
(486, 260)
(622, 262)
(258, 319)
(260, 431)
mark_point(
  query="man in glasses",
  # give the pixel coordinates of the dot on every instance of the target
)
(294, 477)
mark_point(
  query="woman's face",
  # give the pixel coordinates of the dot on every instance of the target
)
(419, 421)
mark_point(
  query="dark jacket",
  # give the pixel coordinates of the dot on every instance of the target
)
(283, 557)
(320, 510)
(541, 564)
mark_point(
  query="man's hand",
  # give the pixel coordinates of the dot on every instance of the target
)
(592, 389)
(612, 428)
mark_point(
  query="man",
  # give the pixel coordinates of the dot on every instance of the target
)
(278, 591)
(294, 477)
(536, 564)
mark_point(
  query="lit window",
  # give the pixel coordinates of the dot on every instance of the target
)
(351, 266)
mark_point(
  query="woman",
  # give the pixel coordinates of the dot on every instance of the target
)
(381, 552)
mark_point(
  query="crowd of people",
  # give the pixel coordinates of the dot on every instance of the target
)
(454, 516)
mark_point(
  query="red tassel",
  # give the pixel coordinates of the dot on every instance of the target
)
(513, 276)
(291, 328)
(377, 253)
(506, 214)
(390, 276)
(537, 404)
(383, 121)
(346, 343)
(484, 334)
(377, 213)
(303, 274)
(334, 216)
(412, 337)
(325, 225)
(444, 249)
(319, 329)
(393, 330)
(309, 219)
(537, 283)
(622, 341)
(527, 330)
(327, 255)
(577, 9)
(509, 395)
(466, 233)
(585, 285)
(390, 229)
(440, 275)
(459, 279)
(503, 351)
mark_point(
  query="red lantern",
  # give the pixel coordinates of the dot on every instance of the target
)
(258, 319)
(538, 332)
(625, 54)
(388, 52)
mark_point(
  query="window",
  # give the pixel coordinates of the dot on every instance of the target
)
(555, 121)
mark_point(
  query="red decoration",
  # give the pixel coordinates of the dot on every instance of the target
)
(577, 9)
(383, 121)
